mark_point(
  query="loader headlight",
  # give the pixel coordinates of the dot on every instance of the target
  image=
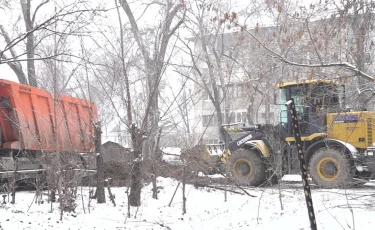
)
(370, 153)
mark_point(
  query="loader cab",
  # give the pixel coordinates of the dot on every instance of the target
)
(313, 100)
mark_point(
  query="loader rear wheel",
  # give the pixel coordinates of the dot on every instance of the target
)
(331, 168)
(245, 167)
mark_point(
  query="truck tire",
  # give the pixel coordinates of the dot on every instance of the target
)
(329, 167)
(245, 167)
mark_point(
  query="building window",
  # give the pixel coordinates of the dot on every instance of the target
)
(206, 96)
(236, 91)
(237, 117)
(210, 120)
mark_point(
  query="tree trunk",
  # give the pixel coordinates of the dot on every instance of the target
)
(30, 49)
(14, 183)
(154, 166)
(183, 192)
(219, 117)
(250, 115)
(53, 195)
(154, 187)
(30, 60)
(99, 166)
(136, 182)
(267, 112)
(153, 116)
(111, 196)
(136, 177)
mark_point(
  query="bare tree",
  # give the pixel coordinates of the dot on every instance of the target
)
(218, 72)
(294, 46)
(308, 44)
(38, 30)
(154, 62)
(154, 67)
(129, 77)
(29, 19)
(229, 69)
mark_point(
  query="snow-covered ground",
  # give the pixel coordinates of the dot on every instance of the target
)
(206, 209)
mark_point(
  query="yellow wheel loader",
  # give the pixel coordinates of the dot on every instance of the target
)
(338, 145)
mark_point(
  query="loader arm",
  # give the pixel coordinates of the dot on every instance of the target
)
(252, 133)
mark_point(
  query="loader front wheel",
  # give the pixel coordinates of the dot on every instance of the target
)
(245, 167)
(331, 168)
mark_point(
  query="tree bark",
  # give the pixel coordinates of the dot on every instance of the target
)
(30, 49)
(360, 28)
(99, 166)
(136, 177)
(136, 184)
(14, 183)
(183, 191)
(53, 195)
(111, 196)
(30, 62)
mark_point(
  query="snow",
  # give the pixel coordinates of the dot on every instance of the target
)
(206, 209)
(200, 174)
(172, 155)
(292, 177)
(172, 150)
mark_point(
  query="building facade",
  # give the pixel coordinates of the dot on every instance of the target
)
(246, 75)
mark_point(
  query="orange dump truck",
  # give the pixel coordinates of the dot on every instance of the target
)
(31, 121)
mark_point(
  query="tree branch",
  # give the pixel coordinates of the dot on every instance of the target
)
(287, 61)
(36, 10)
(136, 32)
(17, 69)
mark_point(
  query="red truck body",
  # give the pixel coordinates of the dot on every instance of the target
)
(28, 121)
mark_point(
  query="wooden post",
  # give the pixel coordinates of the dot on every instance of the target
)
(53, 196)
(183, 192)
(90, 198)
(111, 196)
(154, 187)
(14, 183)
(280, 176)
(225, 191)
(99, 166)
(170, 202)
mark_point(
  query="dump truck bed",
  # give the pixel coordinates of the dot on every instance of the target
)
(29, 121)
